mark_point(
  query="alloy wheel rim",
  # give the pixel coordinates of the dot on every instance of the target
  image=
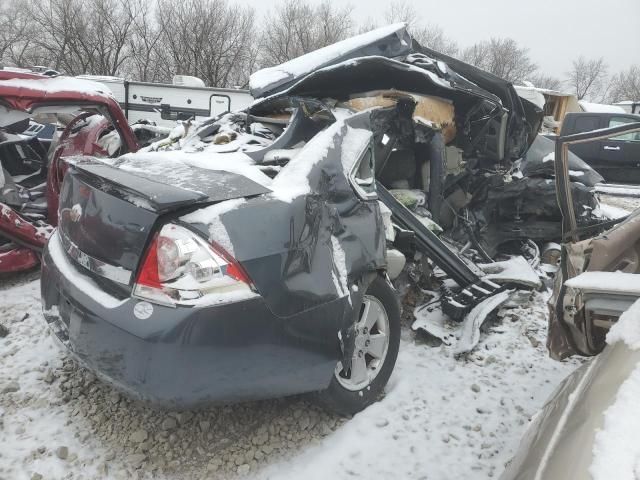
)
(371, 345)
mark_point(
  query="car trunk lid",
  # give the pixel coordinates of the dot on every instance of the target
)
(108, 215)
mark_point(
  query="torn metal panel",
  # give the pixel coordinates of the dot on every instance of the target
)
(470, 333)
(392, 41)
(428, 242)
(575, 327)
(318, 238)
(436, 323)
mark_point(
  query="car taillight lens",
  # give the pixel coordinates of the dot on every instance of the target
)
(180, 268)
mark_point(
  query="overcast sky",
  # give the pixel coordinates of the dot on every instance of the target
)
(555, 31)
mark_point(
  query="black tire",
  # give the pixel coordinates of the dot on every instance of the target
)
(347, 402)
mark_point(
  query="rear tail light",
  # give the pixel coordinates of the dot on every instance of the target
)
(180, 268)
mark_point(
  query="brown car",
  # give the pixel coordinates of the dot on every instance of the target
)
(598, 280)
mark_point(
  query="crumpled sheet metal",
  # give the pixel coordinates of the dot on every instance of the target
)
(315, 245)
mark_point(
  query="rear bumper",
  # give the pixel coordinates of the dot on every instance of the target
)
(184, 357)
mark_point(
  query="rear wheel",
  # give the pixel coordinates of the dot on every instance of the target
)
(377, 340)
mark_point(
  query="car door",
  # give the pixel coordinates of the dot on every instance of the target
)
(621, 154)
(589, 152)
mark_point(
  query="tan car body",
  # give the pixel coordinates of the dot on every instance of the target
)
(559, 443)
(580, 318)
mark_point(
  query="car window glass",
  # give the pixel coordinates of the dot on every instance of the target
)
(586, 124)
(627, 137)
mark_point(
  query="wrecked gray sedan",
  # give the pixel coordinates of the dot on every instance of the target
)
(251, 255)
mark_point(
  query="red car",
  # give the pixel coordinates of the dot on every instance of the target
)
(43, 120)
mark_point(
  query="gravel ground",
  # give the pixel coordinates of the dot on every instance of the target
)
(441, 415)
(59, 421)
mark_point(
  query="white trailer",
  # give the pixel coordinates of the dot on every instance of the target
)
(163, 104)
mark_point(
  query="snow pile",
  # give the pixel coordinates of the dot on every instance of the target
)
(627, 329)
(275, 76)
(616, 451)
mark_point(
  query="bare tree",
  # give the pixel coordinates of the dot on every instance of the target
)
(626, 85)
(542, 80)
(210, 39)
(429, 35)
(503, 57)
(588, 77)
(296, 27)
(15, 31)
(82, 36)
(148, 62)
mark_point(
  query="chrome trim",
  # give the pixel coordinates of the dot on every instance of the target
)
(116, 274)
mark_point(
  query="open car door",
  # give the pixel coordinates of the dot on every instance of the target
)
(599, 276)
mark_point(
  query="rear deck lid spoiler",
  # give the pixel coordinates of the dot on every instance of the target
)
(155, 192)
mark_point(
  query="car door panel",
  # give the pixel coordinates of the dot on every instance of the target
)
(621, 155)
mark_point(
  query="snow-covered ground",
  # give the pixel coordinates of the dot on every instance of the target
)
(442, 417)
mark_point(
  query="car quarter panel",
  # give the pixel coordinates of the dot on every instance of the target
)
(296, 250)
(188, 356)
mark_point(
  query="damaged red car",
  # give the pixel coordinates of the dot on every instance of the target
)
(43, 120)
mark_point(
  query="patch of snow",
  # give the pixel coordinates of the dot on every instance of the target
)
(610, 211)
(516, 270)
(31, 419)
(293, 180)
(622, 190)
(442, 418)
(599, 107)
(173, 165)
(616, 450)
(58, 84)
(211, 216)
(627, 328)
(354, 143)
(613, 282)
